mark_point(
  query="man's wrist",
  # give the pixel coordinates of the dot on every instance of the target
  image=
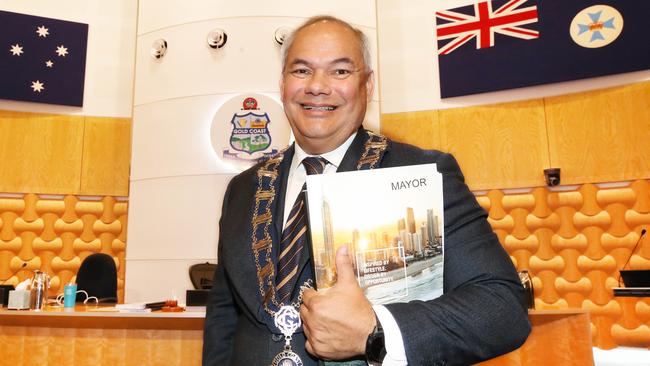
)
(375, 345)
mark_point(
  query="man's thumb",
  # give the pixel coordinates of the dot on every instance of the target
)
(344, 270)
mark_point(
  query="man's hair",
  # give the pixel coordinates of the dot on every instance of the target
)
(361, 37)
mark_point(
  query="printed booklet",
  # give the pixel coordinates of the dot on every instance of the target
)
(391, 219)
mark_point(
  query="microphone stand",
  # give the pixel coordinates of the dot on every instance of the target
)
(630, 257)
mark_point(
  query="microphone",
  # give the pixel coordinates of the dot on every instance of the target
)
(14, 272)
(630, 257)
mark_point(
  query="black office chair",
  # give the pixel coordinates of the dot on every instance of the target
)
(202, 275)
(98, 277)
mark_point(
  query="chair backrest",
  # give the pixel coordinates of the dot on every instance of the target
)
(98, 277)
(202, 275)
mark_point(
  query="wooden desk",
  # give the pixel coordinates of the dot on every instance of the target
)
(558, 337)
(84, 337)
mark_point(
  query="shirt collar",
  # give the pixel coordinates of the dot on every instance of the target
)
(333, 157)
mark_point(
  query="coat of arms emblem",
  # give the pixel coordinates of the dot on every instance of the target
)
(242, 133)
(250, 132)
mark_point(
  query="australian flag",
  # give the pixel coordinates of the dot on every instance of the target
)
(504, 44)
(41, 59)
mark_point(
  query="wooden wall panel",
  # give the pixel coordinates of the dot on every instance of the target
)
(64, 154)
(106, 156)
(55, 234)
(601, 135)
(417, 128)
(40, 153)
(497, 146)
(573, 244)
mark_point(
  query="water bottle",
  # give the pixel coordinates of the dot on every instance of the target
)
(69, 296)
(40, 285)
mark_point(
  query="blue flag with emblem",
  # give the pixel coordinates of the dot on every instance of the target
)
(41, 59)
(504, 44)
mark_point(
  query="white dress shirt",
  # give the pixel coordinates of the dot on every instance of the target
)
(395, 353)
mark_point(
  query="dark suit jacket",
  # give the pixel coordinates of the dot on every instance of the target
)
(480, 315)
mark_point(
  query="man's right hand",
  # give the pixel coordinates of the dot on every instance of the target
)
(337, 321)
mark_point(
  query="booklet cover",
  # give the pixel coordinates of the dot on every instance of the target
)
(391, 219)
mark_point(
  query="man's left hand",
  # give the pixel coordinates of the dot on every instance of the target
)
(337, 321)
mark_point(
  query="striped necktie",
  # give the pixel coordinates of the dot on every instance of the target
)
(294, 236)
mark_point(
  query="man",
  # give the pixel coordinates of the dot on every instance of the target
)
(326, 84)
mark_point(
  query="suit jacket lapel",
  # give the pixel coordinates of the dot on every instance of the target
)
(351, 157)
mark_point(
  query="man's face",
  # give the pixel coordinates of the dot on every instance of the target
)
(324, 87)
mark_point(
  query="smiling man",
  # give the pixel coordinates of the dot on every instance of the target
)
(326, 85)
(262, 310)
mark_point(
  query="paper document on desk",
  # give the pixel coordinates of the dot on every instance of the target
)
(136, 307)
(135, 310)
(131, 306)
(104, 309)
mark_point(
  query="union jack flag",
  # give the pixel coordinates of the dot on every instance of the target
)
(508, 20)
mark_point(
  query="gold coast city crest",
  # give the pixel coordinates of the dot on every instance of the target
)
(250, 131)
(248, 128)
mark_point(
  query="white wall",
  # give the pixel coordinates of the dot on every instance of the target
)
(622, 356)
(108, 88)
(408, 64)
(177, 181)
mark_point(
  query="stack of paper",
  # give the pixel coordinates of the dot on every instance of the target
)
(136, 307)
